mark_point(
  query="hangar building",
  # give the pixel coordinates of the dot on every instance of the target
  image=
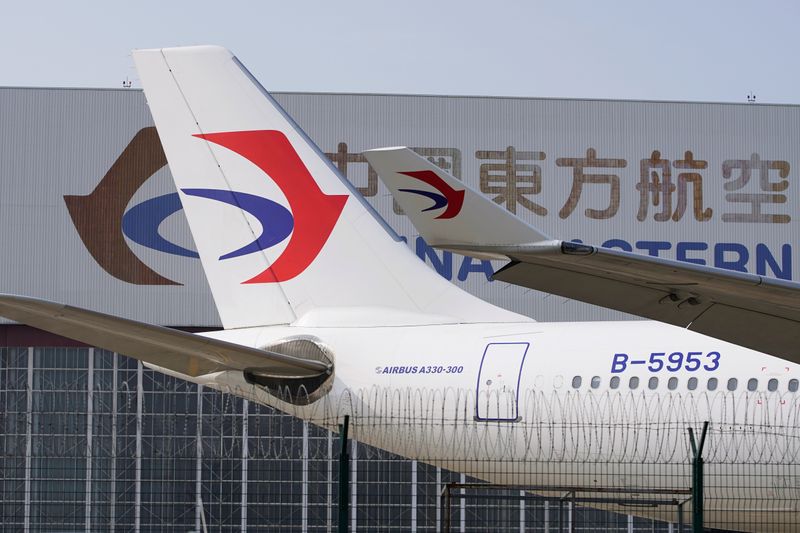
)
(91, 440)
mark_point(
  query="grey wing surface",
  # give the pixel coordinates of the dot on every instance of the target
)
(746, 309)
(183, 352)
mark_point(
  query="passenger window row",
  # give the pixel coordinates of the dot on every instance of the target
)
(691, 384)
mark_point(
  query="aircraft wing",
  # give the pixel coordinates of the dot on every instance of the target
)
(746, 309)
(175, 350)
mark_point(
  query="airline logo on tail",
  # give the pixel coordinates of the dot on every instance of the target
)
(447, 196)
(313, 213)
(276, 220)
(102, 220)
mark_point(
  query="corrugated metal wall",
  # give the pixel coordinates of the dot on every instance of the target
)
(710, 183)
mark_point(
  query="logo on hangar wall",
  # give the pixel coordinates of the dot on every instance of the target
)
(100, 217)
(103, 222)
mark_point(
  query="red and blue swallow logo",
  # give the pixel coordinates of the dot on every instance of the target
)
(447, 196)
(307, 223)
(313, 213)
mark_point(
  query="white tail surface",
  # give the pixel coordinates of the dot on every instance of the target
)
(445, 211)
(282, 237)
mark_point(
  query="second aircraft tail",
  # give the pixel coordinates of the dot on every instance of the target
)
(446, 212)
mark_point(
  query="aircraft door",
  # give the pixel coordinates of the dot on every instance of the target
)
(497, 394)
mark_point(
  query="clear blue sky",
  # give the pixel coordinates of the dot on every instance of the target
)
(632, 49)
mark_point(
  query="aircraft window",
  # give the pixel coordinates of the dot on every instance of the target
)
(576, 382)
(595, 382)
(652, 383)
(614, 382)
(691, 384)
(732, 384)
(752, 384)
(634, 383)
(772, 385)
(792, 385)
(712, 383)
(672, 384)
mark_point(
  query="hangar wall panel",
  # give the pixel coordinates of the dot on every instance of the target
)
(164, 452)
(700, 182)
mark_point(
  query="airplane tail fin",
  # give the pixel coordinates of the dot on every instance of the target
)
(447, 213)
(283, 238)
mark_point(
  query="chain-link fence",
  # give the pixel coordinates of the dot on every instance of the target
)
(91, 441)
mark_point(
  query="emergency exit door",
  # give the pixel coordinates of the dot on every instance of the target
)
(497, 395)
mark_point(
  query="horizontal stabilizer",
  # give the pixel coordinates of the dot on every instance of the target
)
(179, 351)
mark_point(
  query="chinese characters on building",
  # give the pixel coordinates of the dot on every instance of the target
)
(656, 187)
(666, 188)
(752, 198)
(580, 177)
(509, 178)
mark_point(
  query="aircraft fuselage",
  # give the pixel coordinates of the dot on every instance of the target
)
(524, 397)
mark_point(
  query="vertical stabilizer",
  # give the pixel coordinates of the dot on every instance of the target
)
(279, 232)
(447, 212)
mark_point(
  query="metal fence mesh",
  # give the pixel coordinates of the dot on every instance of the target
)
(91, 441)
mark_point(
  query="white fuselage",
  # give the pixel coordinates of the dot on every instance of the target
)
(531, 396)
(427, 370)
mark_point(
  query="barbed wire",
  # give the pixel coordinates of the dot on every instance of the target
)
(577, 426)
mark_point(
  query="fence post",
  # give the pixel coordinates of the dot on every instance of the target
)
(446, 508)
(572, 514)
(697, 479)
(344, 476)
